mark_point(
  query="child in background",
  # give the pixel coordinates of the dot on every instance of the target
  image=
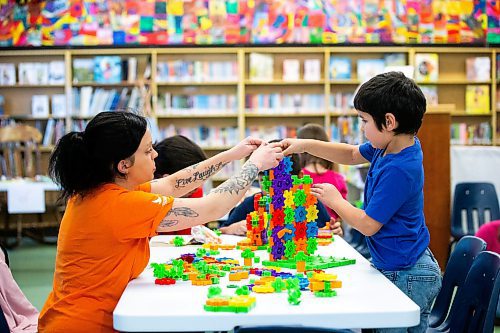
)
(176, 153)
(236, 223)
(391, 108)
(490, 233)
(321, 170)
(114, 206)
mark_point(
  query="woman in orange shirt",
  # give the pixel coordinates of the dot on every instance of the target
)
(113, 208)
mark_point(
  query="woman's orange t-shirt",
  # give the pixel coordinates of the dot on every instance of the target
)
(102, 245)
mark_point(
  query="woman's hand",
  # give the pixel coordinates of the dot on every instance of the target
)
(267, 156)
(292, 146)
(326, 193)
(245, 148)
(238, 228)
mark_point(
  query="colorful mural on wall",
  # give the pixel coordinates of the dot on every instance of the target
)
(217, 22)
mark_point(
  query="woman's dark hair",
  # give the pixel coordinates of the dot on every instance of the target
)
(316, 132)
(176, 153)
(394, 93)
(81, 161)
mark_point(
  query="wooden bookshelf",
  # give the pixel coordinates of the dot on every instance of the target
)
(451, 84)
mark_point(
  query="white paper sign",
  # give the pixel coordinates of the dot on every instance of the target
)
(25, 198)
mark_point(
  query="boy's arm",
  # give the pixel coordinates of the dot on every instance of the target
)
(190, 178)
(340, 153)
(356, 218)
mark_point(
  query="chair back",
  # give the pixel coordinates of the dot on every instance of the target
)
(461, 259)
(473, 205)
(286, 329)
(20, 154)
(474, 310)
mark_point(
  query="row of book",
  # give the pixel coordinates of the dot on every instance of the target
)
(88, 101)
(169, 104)
(32, 73)
(284, 103)
(471, 134)
(205, 136)
(347, 130)
(196, 71)
(106, 69)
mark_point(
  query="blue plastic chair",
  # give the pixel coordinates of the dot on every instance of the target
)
(476, 303)
(470, 197)
(455, 273)
(286, 329)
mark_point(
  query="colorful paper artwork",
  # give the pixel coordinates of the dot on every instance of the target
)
(215, 22)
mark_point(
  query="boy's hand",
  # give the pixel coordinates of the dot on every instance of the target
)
(291, 146)
(245, 147)
(336, 228)
(238, 228)
(327, 193)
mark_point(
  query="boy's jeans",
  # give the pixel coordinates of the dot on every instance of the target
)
(421, 283)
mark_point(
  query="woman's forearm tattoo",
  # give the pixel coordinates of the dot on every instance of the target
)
(199, 175)
(183, 211)
(240, 182)
(168, 223)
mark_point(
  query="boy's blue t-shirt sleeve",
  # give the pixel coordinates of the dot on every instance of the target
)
(367, 151)
(392, 190)
(240, 212)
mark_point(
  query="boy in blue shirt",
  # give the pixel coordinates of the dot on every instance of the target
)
(391, 108)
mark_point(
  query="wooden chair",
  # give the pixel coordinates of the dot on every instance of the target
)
(20, 157)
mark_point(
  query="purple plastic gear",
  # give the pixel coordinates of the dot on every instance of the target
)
(278, 201)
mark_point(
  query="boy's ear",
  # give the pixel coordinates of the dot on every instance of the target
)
(390, 122)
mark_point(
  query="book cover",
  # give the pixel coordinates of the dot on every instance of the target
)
(368, 68)
(291, 70)
(478, 68)
(58, 102)
(107, 69)
(431, 94)
(340, 68)
(261, 67)
(395, 59)
(83, 70)
(477, 99)
(56, 72)
(40, 106)
(7, 74)
(312, 70)
(426, 67)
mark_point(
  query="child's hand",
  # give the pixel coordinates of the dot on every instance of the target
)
(245, 147)
(336, 228)
(327, 193)
(238, 228)
(291, 146)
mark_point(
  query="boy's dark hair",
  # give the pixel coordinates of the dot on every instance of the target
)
(176, 153)
(394, 93)
(317, 132)
(81, 161)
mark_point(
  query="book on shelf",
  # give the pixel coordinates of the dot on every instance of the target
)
(291, 70)
(395, 59)
(49, 132)
(56, 72)
(33, 73)
(312, 70)
(7, 74)
(477, 99)
(340, 68)
(431, 94)
(83, 70)
(261, 67)
(131, 65)
(478, 68)
(368, 68)
(426, 67)
(2, 102)
(107, 69)
(40, 106)
(58, 103)
(470, 134)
